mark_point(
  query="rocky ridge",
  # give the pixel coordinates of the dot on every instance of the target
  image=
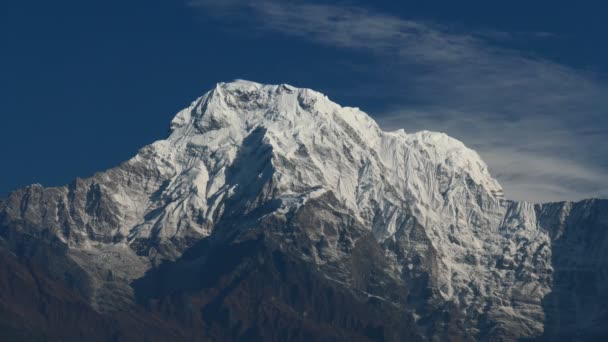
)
(412, 225)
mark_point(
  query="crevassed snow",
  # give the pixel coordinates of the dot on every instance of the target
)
(317, 143)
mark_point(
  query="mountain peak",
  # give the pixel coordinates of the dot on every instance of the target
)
(244, 151)
(258, 143)
(319, 184)
(296, 118)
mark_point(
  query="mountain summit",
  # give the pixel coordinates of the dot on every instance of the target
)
(272, 213)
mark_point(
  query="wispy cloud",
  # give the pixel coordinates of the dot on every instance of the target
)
(542, 127)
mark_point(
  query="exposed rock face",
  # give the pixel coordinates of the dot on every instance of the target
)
(273, 213)
(576, 308)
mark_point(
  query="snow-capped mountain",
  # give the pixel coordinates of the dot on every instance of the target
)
(353, 232)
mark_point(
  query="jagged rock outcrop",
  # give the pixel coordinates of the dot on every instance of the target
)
(272, 213)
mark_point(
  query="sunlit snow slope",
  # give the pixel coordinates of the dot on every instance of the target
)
(246, 153)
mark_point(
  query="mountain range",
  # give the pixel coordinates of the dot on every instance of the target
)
(272, 213)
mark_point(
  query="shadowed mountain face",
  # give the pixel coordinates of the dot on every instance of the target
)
(243, 286)
(576, 308)
(272, 213)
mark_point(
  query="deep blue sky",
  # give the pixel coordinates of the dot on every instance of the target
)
(84, 84)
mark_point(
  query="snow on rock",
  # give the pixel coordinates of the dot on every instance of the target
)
(300, 144)
(244, 145)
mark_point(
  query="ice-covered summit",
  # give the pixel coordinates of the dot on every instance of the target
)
(247, 148)
(307, 145)
(318, 179)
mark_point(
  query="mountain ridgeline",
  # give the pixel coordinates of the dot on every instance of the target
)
(271, 213)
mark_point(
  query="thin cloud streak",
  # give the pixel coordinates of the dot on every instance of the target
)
(540, 126)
